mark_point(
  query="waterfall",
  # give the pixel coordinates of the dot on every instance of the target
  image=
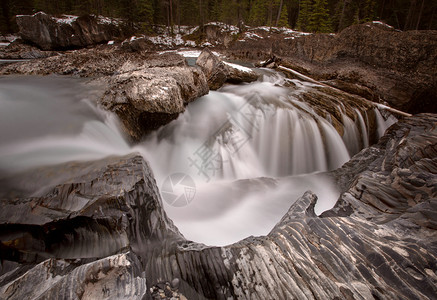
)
(251, 149)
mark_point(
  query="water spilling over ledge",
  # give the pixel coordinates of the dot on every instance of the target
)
(71, 212)
(264, 136)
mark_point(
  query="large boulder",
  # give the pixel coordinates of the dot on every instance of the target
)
(239, 74)
(51, 33)
(214, 69)
(146, 98)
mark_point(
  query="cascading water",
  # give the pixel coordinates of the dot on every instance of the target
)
(251, 149)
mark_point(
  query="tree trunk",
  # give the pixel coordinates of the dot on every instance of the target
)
(279, 13)
(420, 15)
(340, 23)
(410, 15)
(431, 19)
(270, 20)
(381, 12)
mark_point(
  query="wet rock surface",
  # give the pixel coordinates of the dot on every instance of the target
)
(379, 241)
(398, 67)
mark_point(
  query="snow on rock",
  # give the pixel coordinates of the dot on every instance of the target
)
(381, 23)
(66, 19)
(238, 67)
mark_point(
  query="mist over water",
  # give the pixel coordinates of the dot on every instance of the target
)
(251, 149)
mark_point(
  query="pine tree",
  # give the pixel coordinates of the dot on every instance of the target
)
(258, 13)
(319, 18)
(283, 19)
(369, 11)
(305, 11)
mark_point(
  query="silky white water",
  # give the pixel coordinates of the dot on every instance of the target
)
(251, 149)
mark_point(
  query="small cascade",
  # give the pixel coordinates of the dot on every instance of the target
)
(352, 137)
(363, 128)
(251, 149)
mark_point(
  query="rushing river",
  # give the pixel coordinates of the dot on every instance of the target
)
(239, 157)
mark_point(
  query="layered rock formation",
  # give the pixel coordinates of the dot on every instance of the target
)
(398, 67)
(51, 33)
(102, 233)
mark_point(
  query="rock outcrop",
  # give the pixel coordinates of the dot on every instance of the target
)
(20, 50)
(146, 98)
(214, 69)
(51, 33)
(398, 67)
(379, 241)
(218, 72)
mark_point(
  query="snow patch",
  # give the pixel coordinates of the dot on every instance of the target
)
(381, 23)
(238, 67)
(66, 19)
(206, 44)
(252, 36)
(107, 21)
(111, 43)
(190, 43)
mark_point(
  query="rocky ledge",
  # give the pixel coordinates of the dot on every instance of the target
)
(372, 60)
(102, 233)
(144, 88)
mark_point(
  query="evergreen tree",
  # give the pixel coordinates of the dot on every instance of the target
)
(305, 12)
(319, 18)
(369, 11)
(258, 13)
(283, 19)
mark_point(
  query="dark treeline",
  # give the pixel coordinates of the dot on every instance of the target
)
(306, 15)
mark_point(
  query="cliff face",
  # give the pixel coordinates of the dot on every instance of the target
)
(112, 239)
(399, 67)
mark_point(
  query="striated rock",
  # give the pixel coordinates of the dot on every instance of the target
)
(51, 33)
(378, 241)
(147, 98)
(398, 67)
(77, 226)
(214, 69)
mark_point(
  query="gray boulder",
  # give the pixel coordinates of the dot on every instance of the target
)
(218, 72)
(146, 98)
(51, 33)
(215, 70)
(239, 74)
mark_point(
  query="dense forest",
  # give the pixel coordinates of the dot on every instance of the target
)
(305, 15)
